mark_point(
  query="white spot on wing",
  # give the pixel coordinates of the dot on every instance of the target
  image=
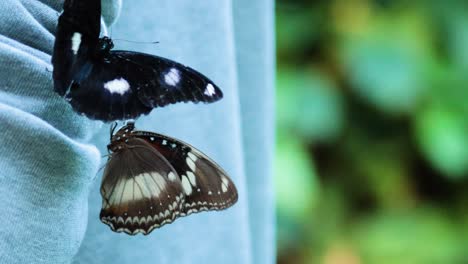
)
(191, 178)
(75, 42)
(119, 86)
(210, 90)
(192, 156)
(225, 181)
(190, 163)
(224, 188)
(224, 184)
(171, 176)
(172, 77)
(186, 185)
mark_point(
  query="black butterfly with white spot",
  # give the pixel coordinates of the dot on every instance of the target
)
(151, 179)
(115, 85)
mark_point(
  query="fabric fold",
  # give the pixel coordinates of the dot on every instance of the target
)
(44, 185)
(47, 164)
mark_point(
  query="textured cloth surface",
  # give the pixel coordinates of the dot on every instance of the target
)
(50, 159)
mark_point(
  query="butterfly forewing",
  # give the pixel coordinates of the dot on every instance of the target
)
(77, 36)
(205, 184)
(174, 81)
(140, 189)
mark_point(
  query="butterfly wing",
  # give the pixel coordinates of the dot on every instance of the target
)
(205, 184)
(116, 85)
(109, 90)
(169, 82)
(76, 38)
(127, 84)
(140, 189)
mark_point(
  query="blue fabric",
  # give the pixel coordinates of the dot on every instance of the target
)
(253, 23)
(49, 178)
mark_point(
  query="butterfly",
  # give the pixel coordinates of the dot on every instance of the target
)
(151, 180)
(112, 85)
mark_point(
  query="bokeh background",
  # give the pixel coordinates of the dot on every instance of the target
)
(372, 131)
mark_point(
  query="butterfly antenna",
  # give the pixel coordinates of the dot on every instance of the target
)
(100, 169)
(137, 42)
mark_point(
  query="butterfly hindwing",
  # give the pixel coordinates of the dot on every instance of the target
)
(206, 185)
(140, 189)
(109, 90)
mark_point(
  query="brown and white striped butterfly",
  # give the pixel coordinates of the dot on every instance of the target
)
(151, 180)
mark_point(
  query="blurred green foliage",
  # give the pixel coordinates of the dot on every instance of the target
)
(372, 131)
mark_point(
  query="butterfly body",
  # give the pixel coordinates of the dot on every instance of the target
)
(151, 179)
(112, 85)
